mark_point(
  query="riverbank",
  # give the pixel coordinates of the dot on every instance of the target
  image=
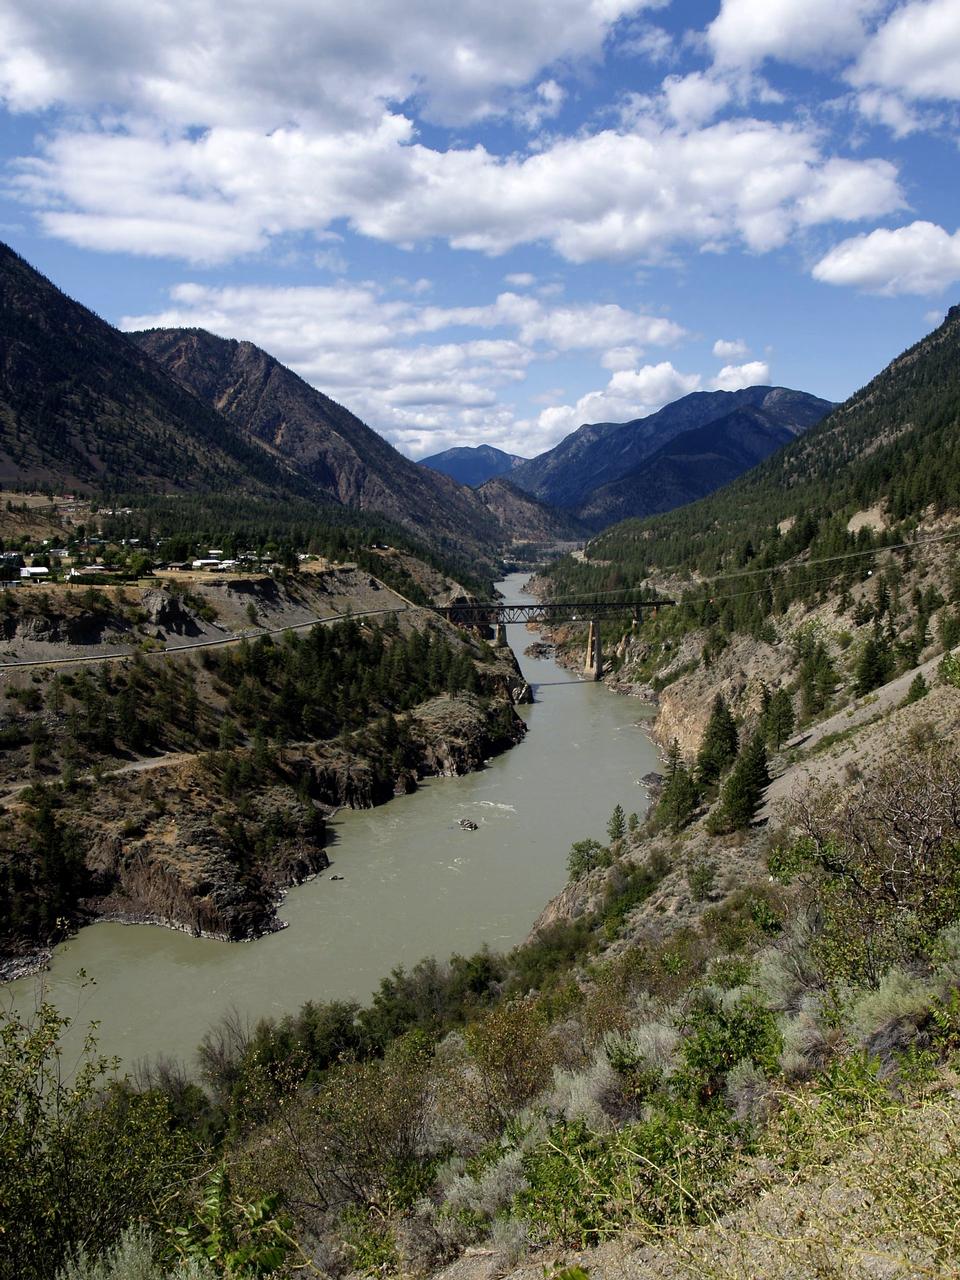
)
(413, 882)
(159, 849)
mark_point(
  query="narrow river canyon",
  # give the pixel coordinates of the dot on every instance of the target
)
(414, 883)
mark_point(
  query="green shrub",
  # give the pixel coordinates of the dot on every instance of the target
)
(131, 1258)
(719, 1037)
(79, 1160)
(584, 1187)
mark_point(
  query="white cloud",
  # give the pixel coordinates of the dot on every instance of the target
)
(543, 104)
(846, 190)
(630, 393)
(725, 350)
(695, 98)
(648, 41)
(611, 195)
(889, 110)
(916, 52)
(367, 350)
(746, 32)
(204, 62)
(919, 258)
(587, 326)
(734, 377)
(520, 279)
(620, 358)
(934, 318)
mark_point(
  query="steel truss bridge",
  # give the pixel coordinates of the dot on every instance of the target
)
(496, 614)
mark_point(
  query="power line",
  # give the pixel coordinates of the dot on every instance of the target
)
(796, 567)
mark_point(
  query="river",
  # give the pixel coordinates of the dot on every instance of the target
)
(413, 884)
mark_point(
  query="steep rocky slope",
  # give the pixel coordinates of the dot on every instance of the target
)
(525, 519)
(342, 457)
(81, 407)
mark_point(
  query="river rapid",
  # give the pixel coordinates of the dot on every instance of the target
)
(414, 884)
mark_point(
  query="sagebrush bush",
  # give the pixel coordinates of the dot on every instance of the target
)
(899, 997)
(510, 1238)
(590, 1094)
(945, 954)
(490, 1191)
(748, 1092)
(810, 1039)
(648, 1044)
(131, 1258)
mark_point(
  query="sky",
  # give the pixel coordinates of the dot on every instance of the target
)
(490, 221)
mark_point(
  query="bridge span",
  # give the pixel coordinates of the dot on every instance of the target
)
(497, 613)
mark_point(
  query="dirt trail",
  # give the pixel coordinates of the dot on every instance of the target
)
(8, 793)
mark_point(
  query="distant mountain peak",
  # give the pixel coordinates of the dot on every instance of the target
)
(601, 454)
(473, 464)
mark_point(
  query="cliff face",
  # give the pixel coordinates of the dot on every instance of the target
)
(177, 844)
(172, 851)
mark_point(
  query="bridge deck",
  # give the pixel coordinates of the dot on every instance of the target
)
(496, 612)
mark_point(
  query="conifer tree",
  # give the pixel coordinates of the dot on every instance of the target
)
(680, 794)
(778, 719)
(617, 826)
(719, 746)
(743, 790)
(873, 665)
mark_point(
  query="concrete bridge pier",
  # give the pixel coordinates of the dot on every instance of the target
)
(500, 640)
(593, 666)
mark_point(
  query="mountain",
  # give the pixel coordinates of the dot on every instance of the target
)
(690, 466)
(341, 456)
(473, 465)
(564, 474)
(82, 408)
(889, 455)
(524, 518)
(600, 453)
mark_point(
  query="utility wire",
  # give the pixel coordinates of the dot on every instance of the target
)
(792, 568)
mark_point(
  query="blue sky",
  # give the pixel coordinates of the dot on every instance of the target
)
(490, 221)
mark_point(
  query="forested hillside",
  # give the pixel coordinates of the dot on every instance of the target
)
(248, 748)
(891, 453)
(692, 465)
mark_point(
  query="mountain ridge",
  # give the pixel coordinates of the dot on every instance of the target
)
(344, 458)
(690, 466)
(602, 453)
(83, 408)
(473, 465)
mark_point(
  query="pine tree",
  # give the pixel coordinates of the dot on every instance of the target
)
(873, 665)
(918, 689)
(778, 719)
(719, 746)
(743, 790)
(680, 794)
(617, 826)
